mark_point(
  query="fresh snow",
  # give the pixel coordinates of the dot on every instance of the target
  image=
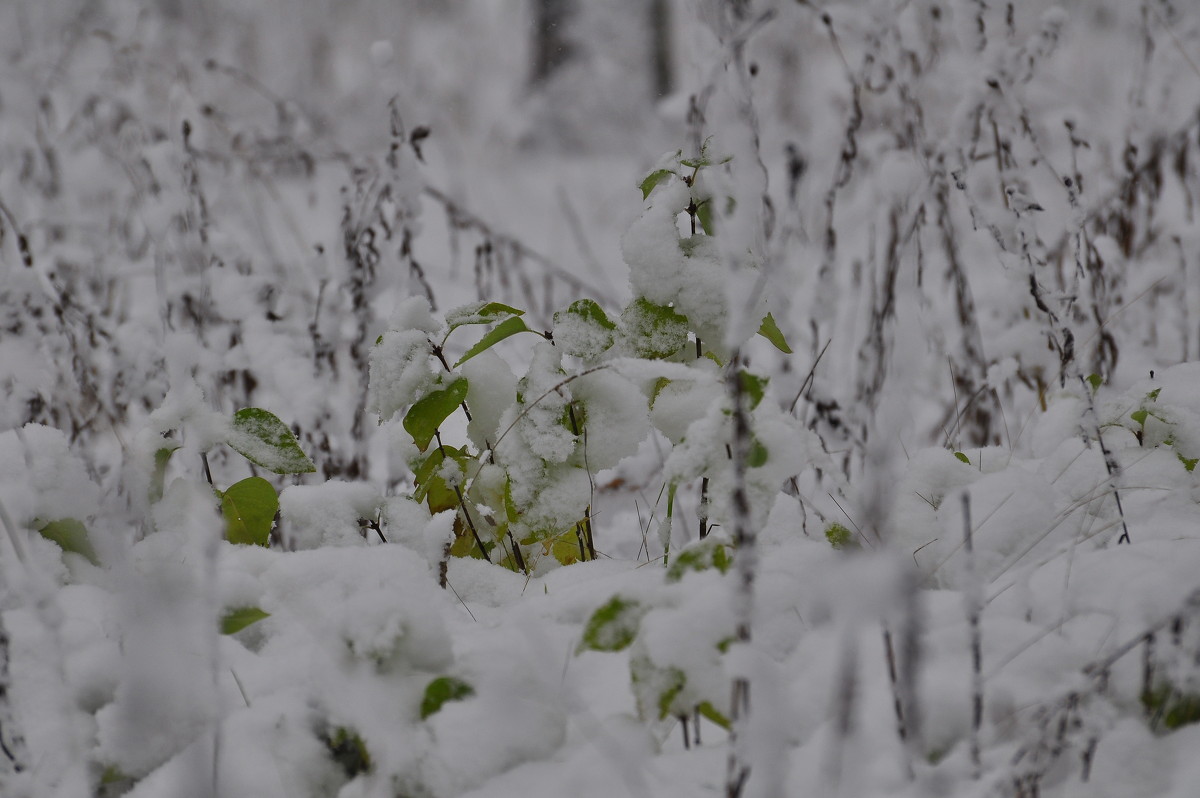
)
(213, 205)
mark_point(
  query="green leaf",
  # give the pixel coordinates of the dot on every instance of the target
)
(588, 310)
(239, 618)
(653, 179)
(675, 680)
(1170, 708)
(159, 474)
(441, 690)
(72, 536)
(709, 711)
(1095, 380)
(963, 457)
(700, 555)
(588, 331)
(431, 486)
(428, 413)
(657, 388)
(423, 474)
(1153, 395)
(612, 627)
(1140, 415)
(753, 386)
(249, 509)
(510, 506)
(840, 537)
(479, 313)
(348, 750)
(703, 159)
(654, 331)
(770, 331)
(758, 455)
(1188, 462)
(505, 329)
(704, 215)
(260, 437)
(114, 782)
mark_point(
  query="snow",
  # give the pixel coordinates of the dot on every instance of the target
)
(684, 272)
(346, 179)
(326, 514)
(400, 372)
(491, 388)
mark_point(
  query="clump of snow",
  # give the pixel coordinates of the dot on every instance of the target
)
(41, 479)
(168, 630)
(491, 389)
(326, 514)
(400, 372)
(686, 273)
(614, 419)
(786, 448)
(185, 409)
(581, 336)
(413, 313)
(470, 313)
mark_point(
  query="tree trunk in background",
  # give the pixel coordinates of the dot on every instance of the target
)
(551, 47)
(596, 71)
(660, 50)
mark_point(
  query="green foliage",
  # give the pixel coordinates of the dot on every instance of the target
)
(707, 710)
(770, 330)
(1168, 708)
(441, 690)
(754, 386)
(249, 509)
(758, 455)
(656, 688)
(505, 329)
(427, 413)
(654, 331)
(700, 555)
(260, 437)
(348, 750)
(704, 158)
(840, 537)
(71, 535)
(158, 474)
(612, 627)
(961, 456)
(114, 782)
(704, 215)
(1144, 411)
(675, 680)
(431, 486)
(478, 313)
(497, 485)
(239, 618)
(652, 180)
(1095, 380)
(588, 313)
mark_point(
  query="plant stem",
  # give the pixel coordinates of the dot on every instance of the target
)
(462, 505)
(441, 356)
(973, 612)
(738, 769)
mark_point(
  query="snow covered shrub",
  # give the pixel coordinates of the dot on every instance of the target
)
(521, 486)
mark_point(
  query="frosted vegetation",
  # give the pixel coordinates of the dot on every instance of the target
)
(379, 420)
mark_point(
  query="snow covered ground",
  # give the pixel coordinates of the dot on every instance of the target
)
(967, 564)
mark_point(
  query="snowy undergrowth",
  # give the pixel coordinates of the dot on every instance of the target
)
(182, 614)
(368, 679)
(432, 644)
